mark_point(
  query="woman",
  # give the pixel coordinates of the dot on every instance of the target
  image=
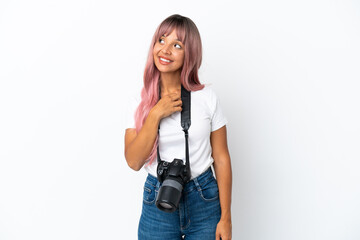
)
(204, 210)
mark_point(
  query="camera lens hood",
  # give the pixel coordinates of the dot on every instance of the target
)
(169, 195)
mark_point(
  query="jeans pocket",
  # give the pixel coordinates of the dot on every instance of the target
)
(209, 190)
(149, 194)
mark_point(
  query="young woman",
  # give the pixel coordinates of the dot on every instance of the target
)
(204, 210)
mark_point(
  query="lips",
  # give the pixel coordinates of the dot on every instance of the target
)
(164, 60)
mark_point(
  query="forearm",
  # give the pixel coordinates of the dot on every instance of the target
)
(140, 148)
(224, 178)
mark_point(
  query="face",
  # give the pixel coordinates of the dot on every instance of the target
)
(169, 53)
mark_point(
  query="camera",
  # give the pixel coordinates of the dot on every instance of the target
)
(173, 176)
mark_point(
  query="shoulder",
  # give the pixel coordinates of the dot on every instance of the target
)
(205, 98)
(207, 93)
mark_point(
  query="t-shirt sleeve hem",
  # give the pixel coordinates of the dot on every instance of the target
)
(219, 125)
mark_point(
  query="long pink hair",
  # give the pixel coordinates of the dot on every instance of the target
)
(189, 35)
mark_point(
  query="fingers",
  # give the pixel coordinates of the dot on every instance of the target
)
(177, 103)
(174, 100)
(222, 236)
(174, 96)
(168, 104)
(178, 109)
(217, 236)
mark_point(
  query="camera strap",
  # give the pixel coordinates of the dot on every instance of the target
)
(185, 124)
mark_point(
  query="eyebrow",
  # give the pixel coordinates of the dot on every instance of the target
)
(175, 39)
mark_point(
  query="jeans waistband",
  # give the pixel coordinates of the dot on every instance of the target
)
(194, 183)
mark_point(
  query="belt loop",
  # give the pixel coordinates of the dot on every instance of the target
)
(157, 185)
(197, 184)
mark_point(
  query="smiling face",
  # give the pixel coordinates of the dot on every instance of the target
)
(169, 53)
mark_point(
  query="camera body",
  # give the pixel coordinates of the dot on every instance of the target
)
(173, 176)
(176, 168)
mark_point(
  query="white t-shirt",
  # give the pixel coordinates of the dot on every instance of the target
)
(206, 117)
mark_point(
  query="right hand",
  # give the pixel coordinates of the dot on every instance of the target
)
(168, 104)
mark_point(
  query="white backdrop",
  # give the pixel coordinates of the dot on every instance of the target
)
(287, 75)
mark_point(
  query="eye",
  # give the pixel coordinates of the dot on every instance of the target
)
(161, 40)
(177, 45)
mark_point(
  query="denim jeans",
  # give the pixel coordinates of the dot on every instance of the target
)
(195, 219)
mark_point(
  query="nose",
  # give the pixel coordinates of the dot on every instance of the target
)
(166, 49)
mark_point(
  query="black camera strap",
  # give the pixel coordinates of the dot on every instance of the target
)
(185, 124)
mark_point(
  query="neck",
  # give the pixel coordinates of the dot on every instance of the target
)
(170, 82)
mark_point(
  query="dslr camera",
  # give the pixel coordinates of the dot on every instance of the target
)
(173, 176)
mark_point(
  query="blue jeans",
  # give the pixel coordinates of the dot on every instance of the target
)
(196, 217)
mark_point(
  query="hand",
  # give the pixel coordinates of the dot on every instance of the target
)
(223, 230)
(168, 104)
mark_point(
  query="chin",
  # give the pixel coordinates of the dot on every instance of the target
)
(164, 69)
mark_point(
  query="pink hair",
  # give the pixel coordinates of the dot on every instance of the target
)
(189, 35)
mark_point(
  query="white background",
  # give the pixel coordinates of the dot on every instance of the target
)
(287, 75)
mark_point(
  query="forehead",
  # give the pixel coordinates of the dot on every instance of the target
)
(172, 31)
(172, 35)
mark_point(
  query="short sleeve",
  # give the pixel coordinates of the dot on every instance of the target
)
(129, 118)
(218, 119)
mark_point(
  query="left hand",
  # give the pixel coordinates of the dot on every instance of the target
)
(223, 230)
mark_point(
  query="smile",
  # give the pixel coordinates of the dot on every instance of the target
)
(165, 61)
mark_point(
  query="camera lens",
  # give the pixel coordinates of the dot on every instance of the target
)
(165, 205)
(169, 195)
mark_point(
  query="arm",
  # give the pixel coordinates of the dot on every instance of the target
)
(138, 146)
(222, 167)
